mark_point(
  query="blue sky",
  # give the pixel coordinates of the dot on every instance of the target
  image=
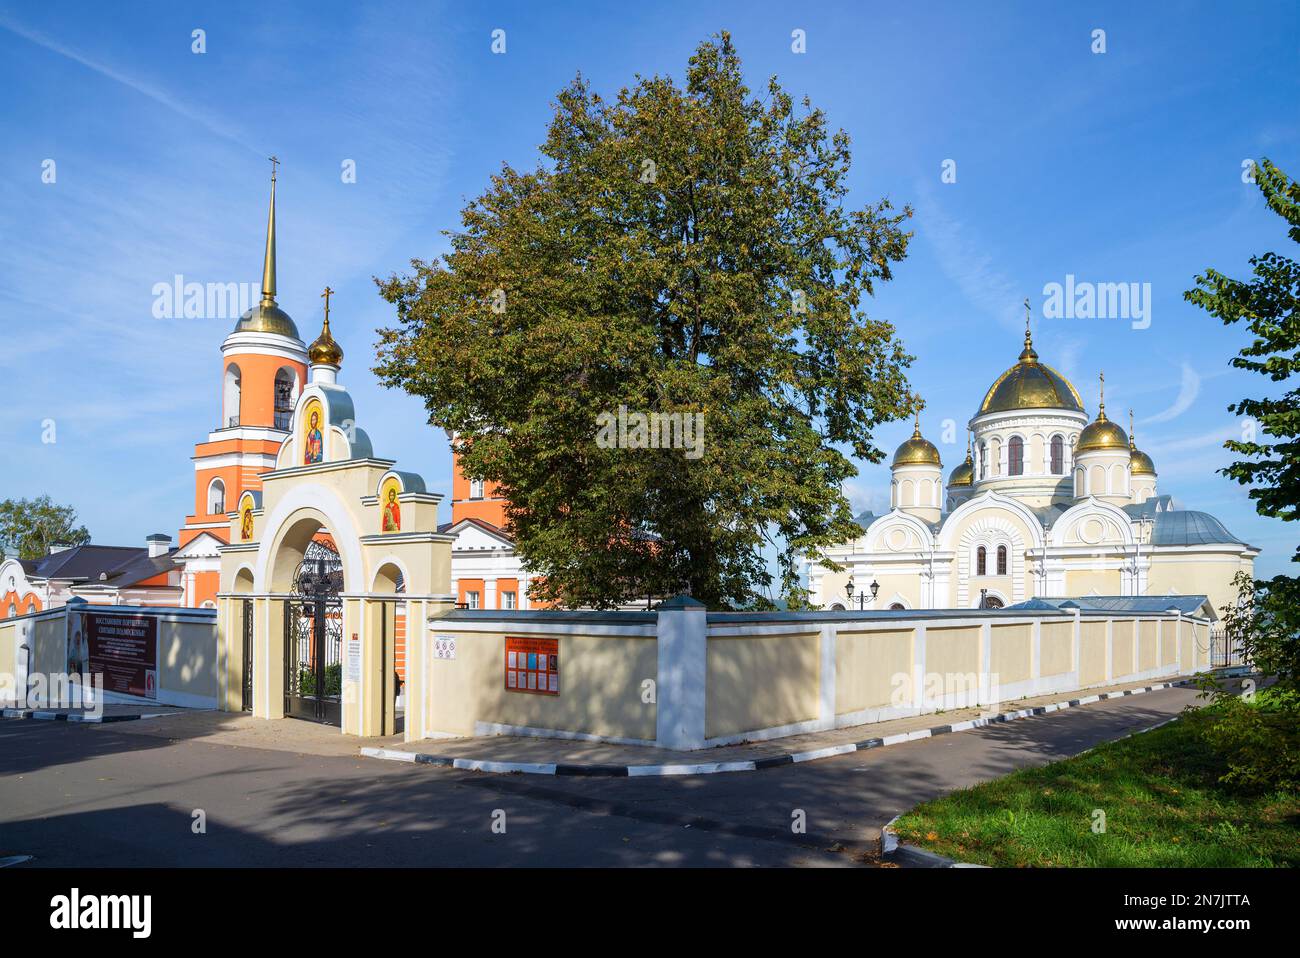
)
(1122, 166)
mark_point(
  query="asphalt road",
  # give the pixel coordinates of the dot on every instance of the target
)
(78, 796)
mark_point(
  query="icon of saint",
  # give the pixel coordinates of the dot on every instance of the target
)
(246, 524)
(392, 513)
(315, 446)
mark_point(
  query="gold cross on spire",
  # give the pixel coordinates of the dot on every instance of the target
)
(275, 161)
(326, 295)
(1101, 402)
(1027, 313)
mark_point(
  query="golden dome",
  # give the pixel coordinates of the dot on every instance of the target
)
(917, 451)
(324, 350)
(1030, 384)
(267, 318)
(1101, 433)
(964, 474)
(1140, 463)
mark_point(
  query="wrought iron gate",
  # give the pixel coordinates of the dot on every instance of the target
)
(313, 638)
(248, 655)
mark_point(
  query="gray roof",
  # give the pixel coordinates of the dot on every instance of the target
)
(120, 565)
(1186, 604)
(1188, 527)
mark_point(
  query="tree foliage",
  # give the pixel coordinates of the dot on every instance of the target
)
(1269, 305)
(679, 249)
(1266, 619)
(30, 526)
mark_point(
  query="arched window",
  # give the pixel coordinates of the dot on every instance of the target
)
(992, 602)
(286, 393)
(231, 397)
(216, 498)
(1058, 456)
(1002, 560)
(13, 610)
(1016, 456)
(981, 561)
(897, 607)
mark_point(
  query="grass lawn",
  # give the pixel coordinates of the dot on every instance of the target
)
(1163, 805)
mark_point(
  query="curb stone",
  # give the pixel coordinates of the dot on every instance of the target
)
(909, 856)
(750, 765)
(39, 715)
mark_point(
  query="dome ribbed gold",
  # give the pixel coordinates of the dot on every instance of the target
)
(1140, 463)
(1101, 434)
(1030, 385)
(324, 350)
(917, 451)
(964, 474)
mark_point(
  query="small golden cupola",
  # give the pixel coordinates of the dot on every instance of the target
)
(917, 451)
(324, 351)
(1140, 463)
(1101, 434)
(964, 474)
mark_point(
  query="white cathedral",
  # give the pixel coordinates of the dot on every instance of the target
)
(1047, 504)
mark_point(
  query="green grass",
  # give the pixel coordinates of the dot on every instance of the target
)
(1163, 804)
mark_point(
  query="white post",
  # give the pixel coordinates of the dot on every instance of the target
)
(682, 633)
(1110, 651)
(826, 677)
(918, 668)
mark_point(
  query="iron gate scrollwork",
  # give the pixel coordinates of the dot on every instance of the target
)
(313, 638)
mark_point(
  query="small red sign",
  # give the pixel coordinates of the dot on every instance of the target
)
(533, 665)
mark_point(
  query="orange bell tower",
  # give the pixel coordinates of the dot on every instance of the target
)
(263, 368)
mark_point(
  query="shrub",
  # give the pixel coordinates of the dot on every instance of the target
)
(1257, 738)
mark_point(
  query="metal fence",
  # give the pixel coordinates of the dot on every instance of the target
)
(1225, 651)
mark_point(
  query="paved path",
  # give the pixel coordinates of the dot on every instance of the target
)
(124, 795)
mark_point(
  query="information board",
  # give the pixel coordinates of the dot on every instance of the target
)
(533, 665)
(122, 648)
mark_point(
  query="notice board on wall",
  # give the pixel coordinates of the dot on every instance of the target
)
(123, 648)
(533, 665)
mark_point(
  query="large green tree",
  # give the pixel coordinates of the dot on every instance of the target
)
(1267, 619)
(30, 526)
(678, 249)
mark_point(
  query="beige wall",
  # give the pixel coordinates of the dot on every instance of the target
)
(1092, 653)
(1056, 648)
(761, 682)
(187, 659)
(1010, 653)
(952, 651)
(866, 664)
(600, 686)
(1148, 647)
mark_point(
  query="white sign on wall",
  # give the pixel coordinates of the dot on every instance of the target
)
(444, 646)
(352, 668)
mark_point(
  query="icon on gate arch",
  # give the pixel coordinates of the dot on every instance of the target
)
(313, 424)
(246, 519)
(391, 509)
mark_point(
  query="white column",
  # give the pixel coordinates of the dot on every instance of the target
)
(682, 634)
(826, 677)
(489, 593)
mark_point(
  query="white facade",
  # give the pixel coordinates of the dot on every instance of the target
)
(1038, 513)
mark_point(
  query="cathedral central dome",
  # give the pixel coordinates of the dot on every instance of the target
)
(1030, 384)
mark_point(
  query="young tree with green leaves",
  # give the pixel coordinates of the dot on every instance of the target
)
(679, 249)
(29, 527)
(1267, 619)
